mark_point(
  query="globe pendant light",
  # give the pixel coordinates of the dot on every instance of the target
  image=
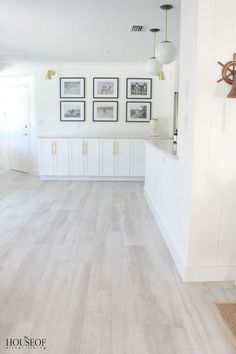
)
(166, 51)
(152, 66)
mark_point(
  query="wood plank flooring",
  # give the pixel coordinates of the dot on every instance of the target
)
(83, 265)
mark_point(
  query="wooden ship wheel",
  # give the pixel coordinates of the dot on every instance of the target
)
(229, 75)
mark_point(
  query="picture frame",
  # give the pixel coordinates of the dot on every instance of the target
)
(72, 111)
(138, 112)
(105, 87)
(105, 111)
(138, 88)
(72, 87)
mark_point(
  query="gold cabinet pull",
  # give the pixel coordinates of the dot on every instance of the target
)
(83, 149)
(117, 148)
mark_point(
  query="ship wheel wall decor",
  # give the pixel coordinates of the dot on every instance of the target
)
(229, 75)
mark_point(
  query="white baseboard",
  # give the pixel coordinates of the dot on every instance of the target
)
(202, 273)
(210, 273)
(97, 178)
(175, 253)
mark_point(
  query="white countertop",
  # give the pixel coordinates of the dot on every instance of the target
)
(104, 136)
(165, 145)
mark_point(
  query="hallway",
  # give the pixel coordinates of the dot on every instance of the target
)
(84, 262)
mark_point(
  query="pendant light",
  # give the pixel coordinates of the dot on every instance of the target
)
(166, 51)
(152, 66)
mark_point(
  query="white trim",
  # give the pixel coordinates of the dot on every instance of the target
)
(176, 254)
(87, 178)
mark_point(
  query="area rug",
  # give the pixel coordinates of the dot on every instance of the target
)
(227, 315)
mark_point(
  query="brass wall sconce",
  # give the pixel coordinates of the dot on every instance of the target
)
(229, 75)
(50, 74)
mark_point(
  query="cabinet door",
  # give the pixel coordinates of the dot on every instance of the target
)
(46, 157)
(61, 157)
(122, 152)
(91, 157)
(76, 153)
(107, 157)
(138, 158)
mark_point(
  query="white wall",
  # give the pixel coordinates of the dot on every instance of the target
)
(168, 181)
(197, 212)
(212, 248)
(47, 98)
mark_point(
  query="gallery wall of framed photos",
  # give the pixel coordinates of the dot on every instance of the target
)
(105, 99)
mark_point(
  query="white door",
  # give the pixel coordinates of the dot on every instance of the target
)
(92, 157)
(107, 157)
(18, 118)
(76, 150)
(61, 153)
(46, 157)
(122, 152)
(137, 158)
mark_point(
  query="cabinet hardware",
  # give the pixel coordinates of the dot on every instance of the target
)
(55, 148)
(52, 150)
(86, 148)
(114, 148)
(83, 149)
(117, 148)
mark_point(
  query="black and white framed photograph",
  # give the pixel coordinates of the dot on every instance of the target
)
(105, 87)
(138, 112)
(105, 111)
(72, 111)
(139, 88)
(72, 87)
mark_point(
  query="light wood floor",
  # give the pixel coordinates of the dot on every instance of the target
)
(84, 265)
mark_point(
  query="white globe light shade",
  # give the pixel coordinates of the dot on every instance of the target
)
(152, 67)
(166, 52)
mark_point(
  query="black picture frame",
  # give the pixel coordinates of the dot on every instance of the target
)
(67, 78)
(115, 96)
(139, 120)
(139, 97)
(74, 102)
(106, 120)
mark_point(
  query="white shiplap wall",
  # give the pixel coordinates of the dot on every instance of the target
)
(212, 249)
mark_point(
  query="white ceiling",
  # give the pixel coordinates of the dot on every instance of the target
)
(79, 30)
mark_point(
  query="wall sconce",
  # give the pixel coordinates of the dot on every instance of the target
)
(229, 75)
(50, 74)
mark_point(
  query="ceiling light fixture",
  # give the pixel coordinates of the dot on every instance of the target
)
(152, 66)
(166, 51)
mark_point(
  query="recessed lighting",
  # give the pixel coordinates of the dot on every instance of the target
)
(104, 52)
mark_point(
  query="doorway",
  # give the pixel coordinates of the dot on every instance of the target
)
(18, 125)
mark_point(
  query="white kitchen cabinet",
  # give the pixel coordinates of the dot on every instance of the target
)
(107, 157)
(84, 157)
(92, 158)
(46, 157)
(76, 149)
(122, 157)
(61, 155)
(54, 157)
(115, 157)
(137, 158)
